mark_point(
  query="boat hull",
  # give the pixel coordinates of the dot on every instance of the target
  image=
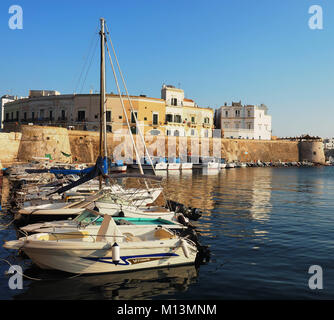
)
(186, 166)
(174, 166)
(99, 260)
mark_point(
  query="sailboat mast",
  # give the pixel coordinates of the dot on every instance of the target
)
(103, 126)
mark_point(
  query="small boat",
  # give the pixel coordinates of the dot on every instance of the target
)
(211, 165)
(118, 166)
(186, 166)
(222, 164)
(230, 165)
(174, 164)
(109, 250)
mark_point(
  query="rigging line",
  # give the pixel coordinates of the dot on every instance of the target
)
(86, 59)
(131, 106)
(90, 64)
(125, 114)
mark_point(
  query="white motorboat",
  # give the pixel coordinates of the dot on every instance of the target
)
(110, 250)
(173, 166)
(186, 166)
(230, 165)
(118, 168)
(161, 166)
(211, 165)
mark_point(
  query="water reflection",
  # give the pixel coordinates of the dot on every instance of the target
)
(193, 190)
(143, 284)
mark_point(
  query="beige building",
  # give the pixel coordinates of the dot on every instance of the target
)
(173, 114)
(184, 117)
(82, 112)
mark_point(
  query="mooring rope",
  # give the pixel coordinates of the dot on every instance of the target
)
(35, 279)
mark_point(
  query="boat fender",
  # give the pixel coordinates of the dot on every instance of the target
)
(185, 248)
(181, 219)
(115, 253)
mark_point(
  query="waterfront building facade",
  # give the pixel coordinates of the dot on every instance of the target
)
(184, 117)
(82, 112)
(239, 121)
(328, 143)
(3, 100)
(173, 114)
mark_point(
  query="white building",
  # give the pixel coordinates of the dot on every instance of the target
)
(183, 116)
(244, 122)
(328, 143)
(3, 100)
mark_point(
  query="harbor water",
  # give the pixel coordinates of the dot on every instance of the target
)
(265, 228)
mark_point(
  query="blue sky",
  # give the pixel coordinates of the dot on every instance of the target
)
(256, 51)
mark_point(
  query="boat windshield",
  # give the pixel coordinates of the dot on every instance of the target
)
(87, 217)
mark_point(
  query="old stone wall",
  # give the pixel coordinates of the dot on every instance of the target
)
(312, 151)
(83, 146)
(39, 141)
(9, 146)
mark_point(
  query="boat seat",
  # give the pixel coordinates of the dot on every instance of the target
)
(163, 234)
(130, 237)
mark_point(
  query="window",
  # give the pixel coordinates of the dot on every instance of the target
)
(192, 132)
(50, 115)
(41, 114)
(133, 115)
(177, 118)
(25, 116)
(169, 118)
(226, 114)
(155, 119)
(133, 130)
(145, 118)
(174, 102)
(81, 115)
(119, 117)
(193, 119)
(237, 113)
(168, 132)
(248, 113)
(62, 114)
(176, 133)
(7, 116)
(206, 133)
(108, 116)
(207, 120)
(33, 115)
(17, 115)
(109, 128)
(154, 132)
(249, 126)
